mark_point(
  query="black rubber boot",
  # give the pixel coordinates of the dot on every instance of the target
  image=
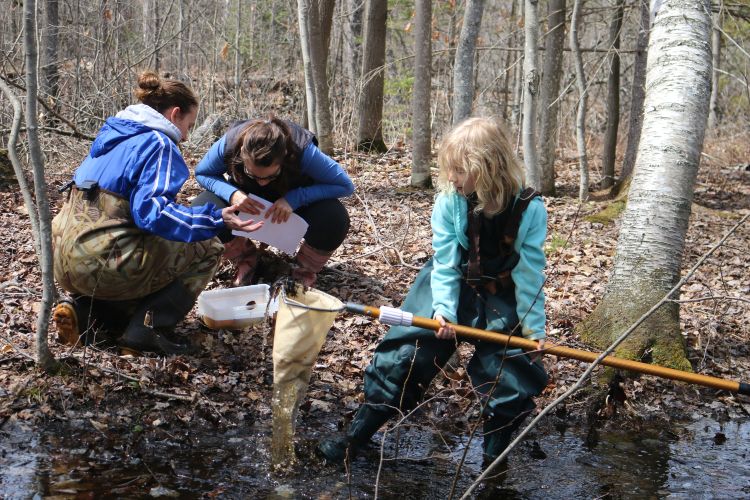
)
(156, 316)
(366, 423)
(498, 433)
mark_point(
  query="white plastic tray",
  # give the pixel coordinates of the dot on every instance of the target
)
(235, 307)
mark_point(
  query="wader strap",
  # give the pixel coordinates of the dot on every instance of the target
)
(474, 270)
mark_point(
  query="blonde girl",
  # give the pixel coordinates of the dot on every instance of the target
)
(486, 272)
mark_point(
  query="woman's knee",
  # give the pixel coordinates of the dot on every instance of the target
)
(328, 224)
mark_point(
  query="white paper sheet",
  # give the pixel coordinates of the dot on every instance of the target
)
(285, 236)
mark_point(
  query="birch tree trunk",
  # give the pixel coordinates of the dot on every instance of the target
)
(530, 92)
(550, 93)
(638, 94)
(44, 357)
(463, 69)
(609, 147)
(370, 129)
(420, 110)
(652, 237)
(575, 48)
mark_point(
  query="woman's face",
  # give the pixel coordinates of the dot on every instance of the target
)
(260, 174)
(462, 181)
(183, 120)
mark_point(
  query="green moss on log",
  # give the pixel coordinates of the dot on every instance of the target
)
(609, 214)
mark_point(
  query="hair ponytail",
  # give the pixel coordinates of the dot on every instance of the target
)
(162, 94)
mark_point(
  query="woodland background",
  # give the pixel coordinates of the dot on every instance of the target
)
(244, 59)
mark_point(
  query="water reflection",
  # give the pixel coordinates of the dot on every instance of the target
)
(703, 459)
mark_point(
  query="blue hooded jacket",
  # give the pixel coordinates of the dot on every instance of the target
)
(135, 156)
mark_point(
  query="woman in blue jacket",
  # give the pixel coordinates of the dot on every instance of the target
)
(133, 259)
(279, 161)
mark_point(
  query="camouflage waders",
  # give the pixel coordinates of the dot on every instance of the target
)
(99, 252)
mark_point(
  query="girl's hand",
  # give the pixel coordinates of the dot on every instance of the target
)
(279, 211)
(446, 332)
(535, 355)
(232, 220)
(246, 204)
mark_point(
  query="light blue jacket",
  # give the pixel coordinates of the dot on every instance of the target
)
(135, 156)
(449, 237)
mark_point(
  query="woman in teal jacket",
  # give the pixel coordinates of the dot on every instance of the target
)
(486, 272)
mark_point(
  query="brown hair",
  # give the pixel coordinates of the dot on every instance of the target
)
(265, 142)
(162, 94)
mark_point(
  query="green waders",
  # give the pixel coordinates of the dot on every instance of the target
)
(408, 359)
(121, 275)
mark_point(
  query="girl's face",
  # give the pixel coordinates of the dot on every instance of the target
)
(463, 181)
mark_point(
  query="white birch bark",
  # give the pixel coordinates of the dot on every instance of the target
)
(678, 87)
(530, 93)
(463, 69)
(420, 111)
(652, 237)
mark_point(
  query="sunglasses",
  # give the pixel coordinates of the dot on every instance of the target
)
(271, 177)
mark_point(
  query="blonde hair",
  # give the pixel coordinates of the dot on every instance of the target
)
(482, 147)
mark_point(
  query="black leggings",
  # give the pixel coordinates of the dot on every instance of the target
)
(328, 221)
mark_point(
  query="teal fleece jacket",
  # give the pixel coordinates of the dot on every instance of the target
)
(449, 228)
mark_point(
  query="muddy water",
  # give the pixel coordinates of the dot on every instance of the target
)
(699, 459)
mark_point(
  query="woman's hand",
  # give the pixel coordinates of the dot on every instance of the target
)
(279, 211)
(246, 204)
(446, 332)
(233, 221)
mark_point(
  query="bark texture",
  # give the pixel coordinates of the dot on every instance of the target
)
(421, 116)
(609, 148)
(652, 237)
(550, 91)
(463, 69)
(370, 129)
(530, 94)
(638, 93)
(575, 48)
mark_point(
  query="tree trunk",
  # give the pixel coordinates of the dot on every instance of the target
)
(321, 36)
(517, 77)
(713, 107)
(652, 238)
(352, 48)
(530, 92)
(370, 129)
(609, 148)
(420, 111)
(550, 92)
(50, 42)
(638, 94)
(583, 162)
(43, 355)
(304, 11)
(463, 70)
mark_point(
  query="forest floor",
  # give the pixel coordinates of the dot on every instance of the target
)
(228, 384)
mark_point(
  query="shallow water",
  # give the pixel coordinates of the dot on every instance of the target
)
(701, 459)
